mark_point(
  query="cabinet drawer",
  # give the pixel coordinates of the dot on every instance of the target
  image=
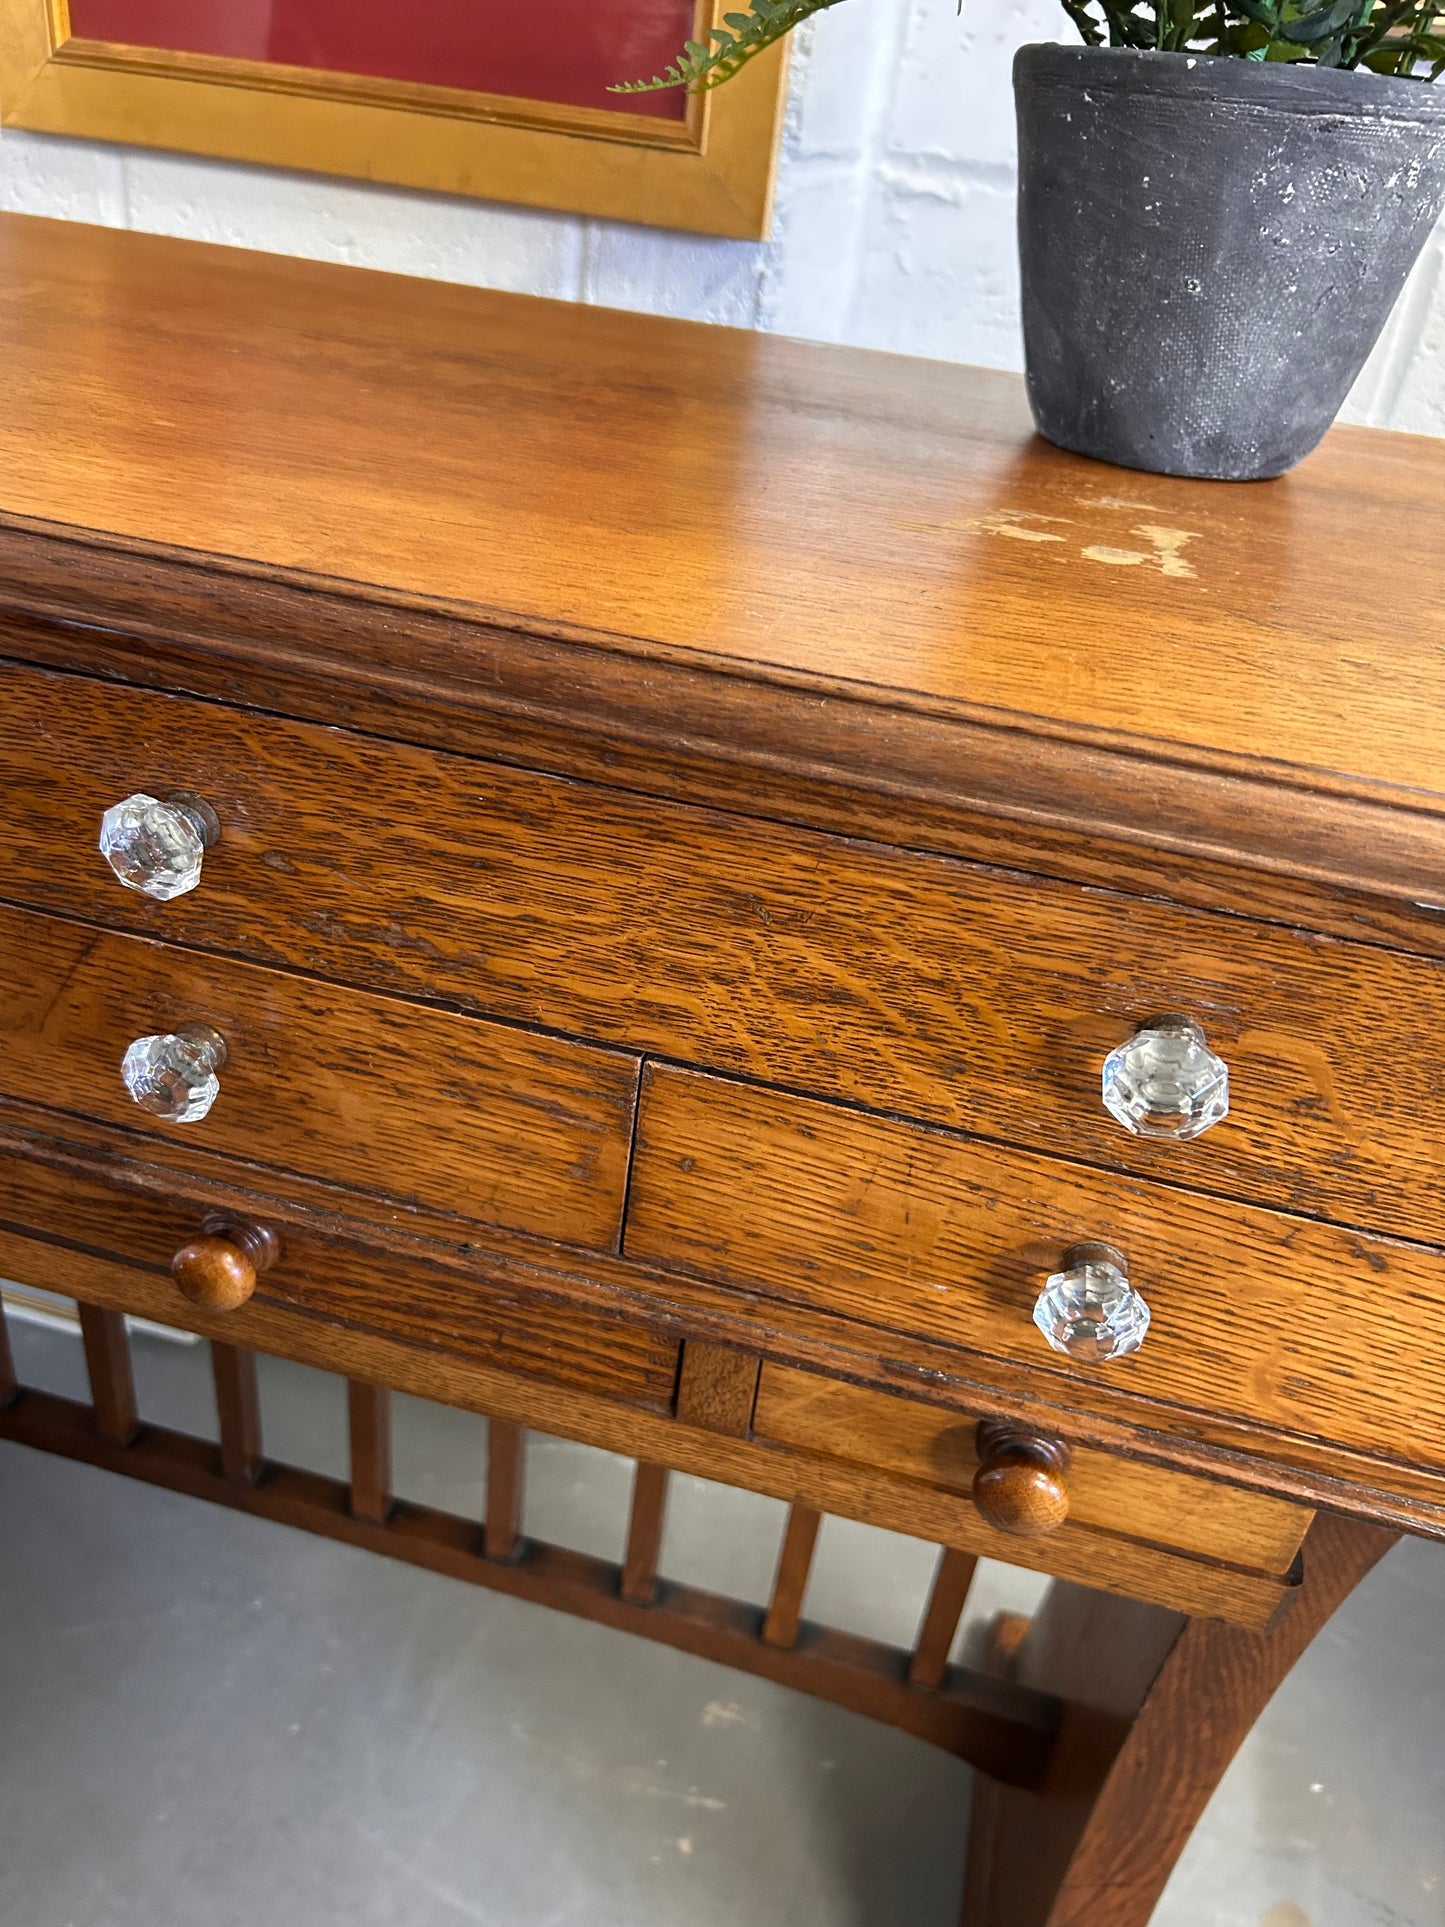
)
(1296, 1326)
(416, 1105)
(328, 1278)
(906, 983)
(1106, 1494)
(340, 1303)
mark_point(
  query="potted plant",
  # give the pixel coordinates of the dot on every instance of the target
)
(1219, 201)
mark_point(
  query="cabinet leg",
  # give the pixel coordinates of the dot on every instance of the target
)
(1155, 1708)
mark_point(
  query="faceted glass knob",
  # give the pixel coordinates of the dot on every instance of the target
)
(1089, 1310)
(174, 1075)
(1166, 1081)
(156, 847)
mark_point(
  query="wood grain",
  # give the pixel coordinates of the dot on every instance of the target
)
(953, 993)
(330, 1272)
(925, 1233)
(407, 1103)
(238, 1409)
(1155, 1708)
(716, 1387)
(921, 1442)
(790, 1584)
(1021, 1485)
(506, 1467)
(638, 1583)
(1004, 1729)
(846, 598)
(1102, 815)
(214, 1271)
(335, 1274)
(1240, 1594)
(555, 461)
(127, 1205)
(946, 1600)
(114, 1413)
(368, 1418)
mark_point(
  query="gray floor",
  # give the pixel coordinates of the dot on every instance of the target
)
(210, 1721)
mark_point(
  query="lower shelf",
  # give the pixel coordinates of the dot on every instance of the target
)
(1004, 1729)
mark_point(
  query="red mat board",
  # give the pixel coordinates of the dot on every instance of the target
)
(563, 51)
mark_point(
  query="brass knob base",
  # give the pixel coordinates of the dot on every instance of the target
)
(1094, 1252)
(202, 818)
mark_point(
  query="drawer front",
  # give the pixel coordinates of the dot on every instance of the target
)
(909, 984)
(1106, 1494)
(1300, 1327)
(416, 1105)
(342, 1306)
(331, 1279)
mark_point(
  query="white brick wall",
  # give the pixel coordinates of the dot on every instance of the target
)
(894, 225)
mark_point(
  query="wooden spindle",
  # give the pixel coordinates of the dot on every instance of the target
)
(368, 1409)
(1006, 1635)
(238, 1407)
(502, 1531)
(795, 1562)
(9, 1384)
(112, 1384)
(644, 1534)
(940, 1622)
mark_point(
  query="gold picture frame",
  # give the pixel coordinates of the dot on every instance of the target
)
(710, 172)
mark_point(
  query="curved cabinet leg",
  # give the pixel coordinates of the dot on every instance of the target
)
(1155, 1708)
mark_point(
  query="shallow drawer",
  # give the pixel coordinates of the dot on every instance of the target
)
(1293, 1325)
(417, 1105)
(328, 1278)
(910, 984)
(1108, 1495)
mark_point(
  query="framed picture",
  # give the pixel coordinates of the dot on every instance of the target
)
(499, 99)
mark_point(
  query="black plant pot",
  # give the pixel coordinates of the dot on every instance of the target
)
(1211, 246)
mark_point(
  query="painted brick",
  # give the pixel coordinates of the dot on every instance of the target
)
(894, 220)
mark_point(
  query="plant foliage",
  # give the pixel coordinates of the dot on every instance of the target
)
(1402, 37)
(742, 35)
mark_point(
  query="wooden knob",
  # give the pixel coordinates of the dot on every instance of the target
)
(218, 1270)
(1019, 1486)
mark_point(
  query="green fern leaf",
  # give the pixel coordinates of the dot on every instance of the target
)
(739, 40)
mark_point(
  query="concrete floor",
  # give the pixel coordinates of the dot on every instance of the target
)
(211, 1721)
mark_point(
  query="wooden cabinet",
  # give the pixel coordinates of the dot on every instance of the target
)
(885, 977)
(422, 1319)
(669, 896)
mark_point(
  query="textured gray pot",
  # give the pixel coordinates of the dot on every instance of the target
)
(1210, 247)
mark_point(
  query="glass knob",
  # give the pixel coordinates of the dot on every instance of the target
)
(1089, 1310)
(174, 1075)
(156, 846)
(1165, 1081)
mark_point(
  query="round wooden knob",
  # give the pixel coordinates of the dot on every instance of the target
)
(1020, 1484)
(218, 1270)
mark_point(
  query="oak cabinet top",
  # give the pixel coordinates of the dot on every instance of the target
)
(810, 544)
